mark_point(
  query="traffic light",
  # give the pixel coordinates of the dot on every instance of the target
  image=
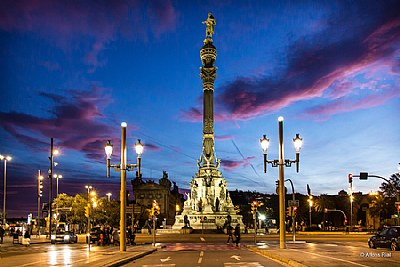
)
(87, 211)
(40, 186)
(294, 212)
(155, 208)
(289, 211)
(350, 176)
(253, 206)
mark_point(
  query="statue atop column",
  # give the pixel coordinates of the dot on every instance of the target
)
(210, 23)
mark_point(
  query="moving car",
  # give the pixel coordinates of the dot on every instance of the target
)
(389, 237)
(64, 237)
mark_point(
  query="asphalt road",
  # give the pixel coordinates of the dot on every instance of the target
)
(203, 254)
(316, 250)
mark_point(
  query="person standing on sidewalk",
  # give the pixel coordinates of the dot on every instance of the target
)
(229, 229)
(237, 234)
(2, 231)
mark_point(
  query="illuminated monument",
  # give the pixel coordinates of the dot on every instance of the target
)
(208, 205)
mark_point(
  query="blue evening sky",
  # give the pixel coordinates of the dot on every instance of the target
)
(74, 70)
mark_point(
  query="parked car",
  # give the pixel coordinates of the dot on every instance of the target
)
(64, 237)
(389, 237)
(95, 234)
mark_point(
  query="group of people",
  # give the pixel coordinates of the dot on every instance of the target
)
(109, 235)
(233, 232)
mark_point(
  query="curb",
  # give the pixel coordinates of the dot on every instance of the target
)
(135, 257)
(279, 258)
(129, 259)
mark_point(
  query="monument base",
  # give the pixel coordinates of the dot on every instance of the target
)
(212, 221)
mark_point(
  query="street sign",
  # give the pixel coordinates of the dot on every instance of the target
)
(363, 175)
(293, 203)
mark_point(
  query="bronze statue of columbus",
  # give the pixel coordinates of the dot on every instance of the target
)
(210, 23)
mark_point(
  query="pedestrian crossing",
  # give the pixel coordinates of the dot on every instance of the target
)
(197, 246)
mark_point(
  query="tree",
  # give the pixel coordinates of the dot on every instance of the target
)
(106, 212)
(324, 202)
(379, 207)
(392, 189)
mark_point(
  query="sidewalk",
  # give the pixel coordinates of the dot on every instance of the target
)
(8, 241)
(98, 256)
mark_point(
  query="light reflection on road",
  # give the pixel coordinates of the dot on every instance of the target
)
(58, 253)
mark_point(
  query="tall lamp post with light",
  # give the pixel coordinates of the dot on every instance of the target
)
(53, 152)
(5, 159)
(39, 195)
(123, 167)
(281, 163)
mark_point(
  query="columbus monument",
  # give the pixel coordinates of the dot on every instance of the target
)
(208, 205)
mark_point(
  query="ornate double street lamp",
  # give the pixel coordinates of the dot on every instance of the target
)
(281, 163)
(123, 167)
(5, 159)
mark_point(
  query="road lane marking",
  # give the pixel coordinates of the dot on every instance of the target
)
(236, 257)
(166, 259)
(320, 255)
(201, 257)
(202, 239)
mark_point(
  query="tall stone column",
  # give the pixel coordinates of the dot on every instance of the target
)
(208, 72)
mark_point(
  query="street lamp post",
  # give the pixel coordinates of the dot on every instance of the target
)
(57, 176)
(5, 159)
(39, 195)
(51, 159)
(310, 203)
(123, 167)
(88, 187)
(281, 163)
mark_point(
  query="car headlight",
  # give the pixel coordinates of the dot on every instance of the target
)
(53, 237)
(66, 237)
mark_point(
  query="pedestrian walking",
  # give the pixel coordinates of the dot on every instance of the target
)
(229, 233)
(237, 234)
(26, 240)
(2, 231)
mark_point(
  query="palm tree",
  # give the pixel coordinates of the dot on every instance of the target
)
(378, 208)
(324, 202)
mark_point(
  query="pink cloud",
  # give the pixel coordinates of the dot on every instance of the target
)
(223, 137)
(234, 164)
(74, 123)
(347, 105)
(327, 71)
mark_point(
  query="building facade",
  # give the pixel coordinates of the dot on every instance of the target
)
(164, 192)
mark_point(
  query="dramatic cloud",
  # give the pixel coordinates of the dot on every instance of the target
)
(223, 137)
(65, 23)
(74, 123)
(331, 65)
(230, 165)
(152, 147)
